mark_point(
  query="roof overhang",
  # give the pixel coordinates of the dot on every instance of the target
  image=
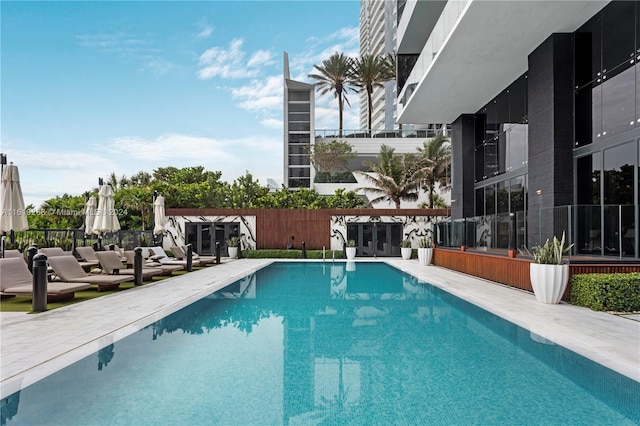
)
(486, 52)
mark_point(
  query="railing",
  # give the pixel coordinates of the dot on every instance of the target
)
(364, 134)
(594, 230)
(69, 239)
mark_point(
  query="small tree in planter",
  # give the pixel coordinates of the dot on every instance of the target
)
(351, 249)
(405, 249)
(232, 245)
(425, 251)
(548, 275)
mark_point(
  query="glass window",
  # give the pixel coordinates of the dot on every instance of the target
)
(517, 194)
(619, 182)
(299, 137)
(299, 95)
(584, 116)
(299, 107)
(502, 107)
(503, 197)
(479, 163)
(480, 202)
(618, 28)
(618, 103)
(588, 51)
(516, 146)
(518, 100)
(491, 157)
(490, 201)
(299, 172)
(588, 172)
(299, 116)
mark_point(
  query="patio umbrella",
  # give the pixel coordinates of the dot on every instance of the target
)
(89, 215)
(13, 215)
(106, 219)
(158, 215)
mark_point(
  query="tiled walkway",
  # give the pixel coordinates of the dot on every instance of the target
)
(34, 346)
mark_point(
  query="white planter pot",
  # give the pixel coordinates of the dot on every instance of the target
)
(549, 281)
(351, 253)
(424, 255)
(233, 252)
(406, 252)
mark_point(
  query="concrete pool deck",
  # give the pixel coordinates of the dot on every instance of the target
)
(37, 345)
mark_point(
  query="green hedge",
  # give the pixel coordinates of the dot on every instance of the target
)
(607, 292)
(288, 254)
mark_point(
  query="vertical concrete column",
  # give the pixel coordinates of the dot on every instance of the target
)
(463, 166)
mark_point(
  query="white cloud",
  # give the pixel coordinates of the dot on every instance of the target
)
(272, 123)
(230, 63)
(263, 95)
(206, 32)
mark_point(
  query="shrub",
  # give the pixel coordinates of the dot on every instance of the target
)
(288, 254)
(607, 292)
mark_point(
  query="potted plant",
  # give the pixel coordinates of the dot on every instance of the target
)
(405, 249)
(351, 249)
(425, 251)
(549, 277)
(232, 245)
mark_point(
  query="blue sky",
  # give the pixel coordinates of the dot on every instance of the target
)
(90, 88)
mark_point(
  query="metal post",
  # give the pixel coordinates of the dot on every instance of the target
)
(304, 251)
(39, 301)
(137, 266)
(31, 253)
(189, 258)
(512, 231)
(464, 232)
(344, 250)
(218, 252)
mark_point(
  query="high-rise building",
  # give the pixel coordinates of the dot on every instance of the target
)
(544, 101)
(378, 22)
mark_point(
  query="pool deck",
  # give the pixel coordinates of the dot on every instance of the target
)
(37, 345)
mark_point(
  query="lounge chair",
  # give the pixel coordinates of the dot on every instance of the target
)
(112, 265)
(167, 269)
(68, 269)
(57, 251)
(16, 280)
(158, 254)
(180, 253)
(87, 254)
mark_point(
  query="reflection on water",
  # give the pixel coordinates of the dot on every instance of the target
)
(320, 343)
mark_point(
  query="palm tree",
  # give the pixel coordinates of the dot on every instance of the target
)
(435, 156)
(397, 177)
(371, 71)
(334, 76)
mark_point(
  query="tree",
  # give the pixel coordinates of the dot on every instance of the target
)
(436, 158)
(395, 178)
(334, 76)
(331, 157)
(61, 212)
(371, 71)
(245, 192)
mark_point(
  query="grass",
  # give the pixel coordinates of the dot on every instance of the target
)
(24, 303)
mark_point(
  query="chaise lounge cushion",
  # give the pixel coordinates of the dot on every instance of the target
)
(167, 269)
(110, 262)
(16, 280)
(68, 269)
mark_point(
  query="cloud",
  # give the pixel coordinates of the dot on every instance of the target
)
(272, 123)
(263, 95)
(116, 42)
(206, 32)
(230, 62)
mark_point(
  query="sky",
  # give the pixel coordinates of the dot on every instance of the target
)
(90, 88)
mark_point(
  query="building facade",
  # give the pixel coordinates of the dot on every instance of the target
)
(545, 111)
(378, 22)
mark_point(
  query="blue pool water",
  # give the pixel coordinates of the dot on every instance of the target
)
(315, 343)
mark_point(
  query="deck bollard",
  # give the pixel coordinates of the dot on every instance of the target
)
(137, 266)
(189, 258)
(39, 301)
(218, 252)
(304, 251)
(344, 250)
(31, 252)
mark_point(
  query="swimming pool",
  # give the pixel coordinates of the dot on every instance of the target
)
(317, 343)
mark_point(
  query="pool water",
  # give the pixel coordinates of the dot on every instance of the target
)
(329, 343)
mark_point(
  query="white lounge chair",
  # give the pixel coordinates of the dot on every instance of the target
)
(68, 269)
(112, 265)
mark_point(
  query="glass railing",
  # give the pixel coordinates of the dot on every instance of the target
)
(610, 230)
(441, 30)
(364, 134)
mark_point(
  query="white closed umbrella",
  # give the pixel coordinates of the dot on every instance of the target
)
(13, 217)
(89, 215)
(106, 219)
(158, 215)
